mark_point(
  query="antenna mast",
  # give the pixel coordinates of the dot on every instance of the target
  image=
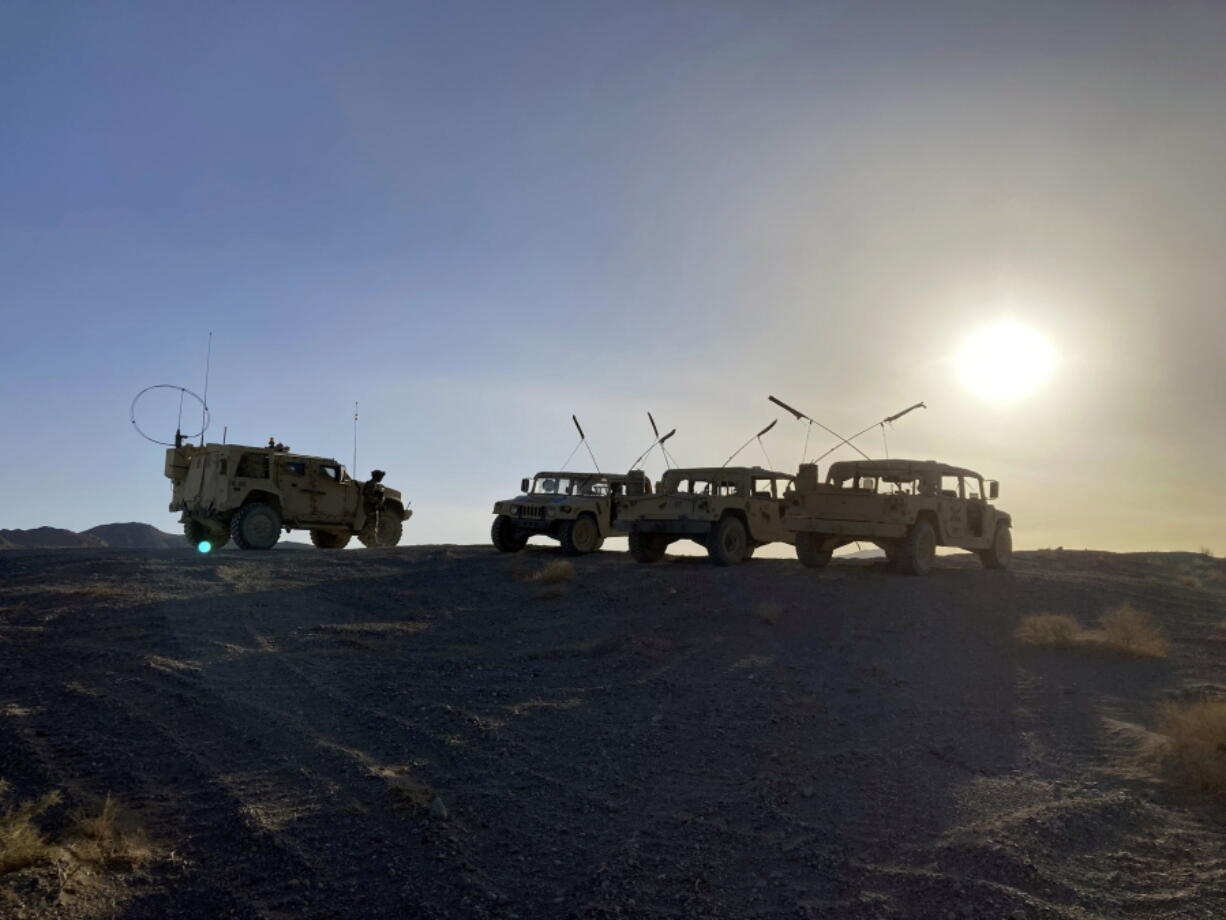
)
(800, 416)
(208, 360)
(582, 443)
(888, 420)
(757, 437)
(353, 470)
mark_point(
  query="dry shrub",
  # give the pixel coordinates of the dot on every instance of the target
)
(1207, 552)
(555, 573)
(21, 842)
(104, 835)
(1188, 581)
(1197, 733)
(1048, 630)
(1132, 631)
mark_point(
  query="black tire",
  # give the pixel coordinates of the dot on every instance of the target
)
(330, 539)
(647, 547)
(1000, 553)
(383, 529)
(256, 526)
(580, 536)
(809, 550)
(918, 551)
(728, 543)
(749, 551)
(506, 537)
(197, 533)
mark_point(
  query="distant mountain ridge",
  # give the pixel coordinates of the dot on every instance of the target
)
(132, 535)
(127, 536)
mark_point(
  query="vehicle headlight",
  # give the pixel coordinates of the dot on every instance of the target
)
(551, 512)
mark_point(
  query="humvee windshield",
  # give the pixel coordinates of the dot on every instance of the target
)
(564, 485)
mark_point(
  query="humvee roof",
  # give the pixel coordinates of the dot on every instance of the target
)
(893, 469)
(711, 471)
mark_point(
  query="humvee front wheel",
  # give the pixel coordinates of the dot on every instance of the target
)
(809, 550)
(1000, 553)
(197, 533)
(728, 544)
(256, 526)
(647, 547)
(918, 551)
(506, 537)
(580, 536)
(329, 539)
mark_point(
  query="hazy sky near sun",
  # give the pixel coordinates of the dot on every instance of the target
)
(478, 218)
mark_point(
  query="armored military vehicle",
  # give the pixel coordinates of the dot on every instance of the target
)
(728, 510)
(251, 494)
(576, 509)
(906, 507)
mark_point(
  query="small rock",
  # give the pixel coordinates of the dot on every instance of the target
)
(438, 810)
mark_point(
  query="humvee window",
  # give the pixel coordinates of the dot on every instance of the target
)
(332, 472)
(253, 466)
(294, 468)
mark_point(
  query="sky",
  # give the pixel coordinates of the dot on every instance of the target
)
(475, 219)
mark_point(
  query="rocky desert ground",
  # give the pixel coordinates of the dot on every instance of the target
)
(447, 732)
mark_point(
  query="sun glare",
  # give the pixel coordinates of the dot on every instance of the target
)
(1005, 362)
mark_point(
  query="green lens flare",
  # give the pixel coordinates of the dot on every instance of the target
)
(204, 546)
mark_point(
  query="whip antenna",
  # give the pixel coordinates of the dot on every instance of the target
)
(800, 416)
(208, 360)
(658, 441)
(582, 443)
(757, 437)
(354, 468)
(888, 420)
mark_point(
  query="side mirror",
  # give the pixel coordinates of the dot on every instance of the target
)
(523, 486)
(993, 488)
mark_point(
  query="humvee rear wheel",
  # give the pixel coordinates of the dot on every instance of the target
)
(580, 536)
(382, 529)
(1000, 553)
(647, 547)
(728, 543)
(918, 550)
(329, 539)
(197, 533)
(809, 550)
(506, 537)
(256, 526)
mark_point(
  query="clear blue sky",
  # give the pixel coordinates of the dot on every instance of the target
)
(478, 218)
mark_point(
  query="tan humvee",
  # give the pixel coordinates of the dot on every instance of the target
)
(253, 493)
(576, 509)
(906, 507)
(729, 510)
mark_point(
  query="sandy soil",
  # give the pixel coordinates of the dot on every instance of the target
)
(422, 732)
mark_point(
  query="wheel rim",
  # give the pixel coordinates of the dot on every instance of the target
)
(733, 543)
(260, 528)
(584, 535)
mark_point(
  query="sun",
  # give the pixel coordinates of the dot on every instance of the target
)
(1005, 362)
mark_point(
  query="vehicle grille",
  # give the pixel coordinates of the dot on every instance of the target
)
(533, 512)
